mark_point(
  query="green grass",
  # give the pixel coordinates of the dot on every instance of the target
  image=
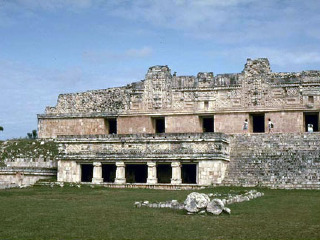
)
(104, 213)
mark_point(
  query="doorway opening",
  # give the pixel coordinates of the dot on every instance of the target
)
(164, 172)
(258, 124)
(108, 172)
(112, 125)
(189, 173)
(207, 124)
(311, 118)
(86, 172)
(159, 125)
(136, 173)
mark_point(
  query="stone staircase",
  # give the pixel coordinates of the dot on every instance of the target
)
(279, 160)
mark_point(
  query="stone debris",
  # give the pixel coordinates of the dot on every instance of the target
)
(215, 207)
(196, 201)
(200, 203)
(227, 210)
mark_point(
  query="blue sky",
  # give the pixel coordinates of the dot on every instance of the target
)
(48, 47)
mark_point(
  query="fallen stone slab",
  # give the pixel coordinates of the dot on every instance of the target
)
(215, 206)
(196, 201)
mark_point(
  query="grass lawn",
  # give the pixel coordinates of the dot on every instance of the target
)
(104, 213)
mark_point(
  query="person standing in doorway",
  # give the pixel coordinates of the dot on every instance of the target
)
(245, 126)
(270, 126)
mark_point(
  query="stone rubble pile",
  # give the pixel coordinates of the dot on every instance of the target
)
(201, 203)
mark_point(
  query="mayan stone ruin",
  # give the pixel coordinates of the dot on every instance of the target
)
(169, 130)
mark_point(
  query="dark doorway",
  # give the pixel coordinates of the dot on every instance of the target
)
(86, 172)
(112, 125)
(160, 125)
(108, 172)
(164, 173)
(207, 124)
(258, 123)
(311, 118)
(136, 173)
(189, 173)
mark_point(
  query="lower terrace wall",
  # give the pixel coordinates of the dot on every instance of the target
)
(22, 177)
(287, 161)
(208, 151)
(23, 162)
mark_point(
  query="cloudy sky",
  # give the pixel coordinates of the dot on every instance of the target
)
(49, 47)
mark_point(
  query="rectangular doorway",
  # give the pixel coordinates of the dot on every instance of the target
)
(311, 118)
(86, 172)
(207, 124)
(108, 172)
(112, 125)
(189, 173)
(136, 173)
(159, 125)
(164, 172)
(257, 123)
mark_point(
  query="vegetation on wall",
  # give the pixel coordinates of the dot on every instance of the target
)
(26, 148)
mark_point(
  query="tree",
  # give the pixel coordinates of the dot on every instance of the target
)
(1, 128)
(32, 135)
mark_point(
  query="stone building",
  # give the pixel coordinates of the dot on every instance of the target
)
(169, 129)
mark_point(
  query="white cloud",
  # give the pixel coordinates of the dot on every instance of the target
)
(231, 21)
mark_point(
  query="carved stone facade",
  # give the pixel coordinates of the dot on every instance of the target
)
(129, 120)
(183, 100)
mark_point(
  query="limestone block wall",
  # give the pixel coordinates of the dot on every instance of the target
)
(31, 163)
(229, 123)
(183, 124)
(285, 122)
(51, 128)
(20, 177)
(255, 90)
(142, 147)
(286, 160)
(68, 171)
(211, 172)
(135, 124)
(210, 151)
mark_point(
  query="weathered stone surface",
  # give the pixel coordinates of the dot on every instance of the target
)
(227, 210)
(215, 206)
(196, 201)
(282, 96)
(278, 161)
(191, 206)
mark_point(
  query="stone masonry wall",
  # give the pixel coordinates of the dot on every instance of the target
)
(23, 162)
(72, 126)
(143, 147)
(256, 89)
(275, 160)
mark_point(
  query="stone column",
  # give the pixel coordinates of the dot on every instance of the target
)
(97, 173)
(176, 172)
(78, 173)
(152, 173)
(120, 173)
